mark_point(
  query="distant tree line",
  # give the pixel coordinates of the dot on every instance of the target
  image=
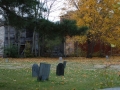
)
(30, 15)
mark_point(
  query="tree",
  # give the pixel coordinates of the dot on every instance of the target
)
(16, 13)
(69, 28)
(102, 17)
(49, 31)
(32, 13)
(45, 29)
(21, 14)
(42, 12)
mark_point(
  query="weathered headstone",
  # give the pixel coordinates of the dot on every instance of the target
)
(107, 57)
(6, 60)
(116, 88)
(60, 69)
(35, 70)
(44, 71)
(60, 60)
(64, 63)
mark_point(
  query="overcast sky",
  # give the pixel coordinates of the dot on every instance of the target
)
(56, 10)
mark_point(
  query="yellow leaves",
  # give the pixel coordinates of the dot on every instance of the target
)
(102, 17)
(69, 39)
(112, 36)
(87, 19)
(107, 20)
(80, 39)
(80, 22)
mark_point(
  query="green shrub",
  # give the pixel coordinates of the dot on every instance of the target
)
(11, 51)
(27, 51)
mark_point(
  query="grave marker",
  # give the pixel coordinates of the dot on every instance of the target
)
(35, 70)
(64, 63)
(60, 69)
(60, 60)
(44, 71)
(115, 88)
(6, 60)
(107, 57)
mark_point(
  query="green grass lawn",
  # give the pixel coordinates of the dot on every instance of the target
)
(79, 75)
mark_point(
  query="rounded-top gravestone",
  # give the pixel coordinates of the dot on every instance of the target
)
(60, 69)
(35, 70)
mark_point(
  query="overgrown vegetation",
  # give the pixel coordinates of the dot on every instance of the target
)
(32, 16)
(11, 51)
(27, 51)
(98, 15)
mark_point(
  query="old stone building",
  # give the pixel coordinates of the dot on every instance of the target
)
(2, 35)
(11, 36)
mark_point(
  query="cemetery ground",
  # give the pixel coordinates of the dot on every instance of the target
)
(80, 74)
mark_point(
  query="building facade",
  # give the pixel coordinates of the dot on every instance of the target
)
(11, 36)
(2, 35)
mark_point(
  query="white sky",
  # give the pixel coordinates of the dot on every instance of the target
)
(56, 10)
(55, 16)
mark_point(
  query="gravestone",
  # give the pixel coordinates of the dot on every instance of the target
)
(35, 70)
(116, 88)
(60, 60)
(60, 69)
(6, 60)
(64, 63)
(107, 57)
(44, 71)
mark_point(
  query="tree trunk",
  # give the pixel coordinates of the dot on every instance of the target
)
(88, 50)
(42, 45)
(39, 49)
(8, 39)
(19, 35)
(39, 46)
(64, 46)
(90, 45)
(101, 49)
(33, 42)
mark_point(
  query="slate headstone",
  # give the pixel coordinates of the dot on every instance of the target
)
(44, 72)
(35, 70)
(116, 88)
(60, 69)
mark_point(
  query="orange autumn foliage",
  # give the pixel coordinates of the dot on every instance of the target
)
(101, 16)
